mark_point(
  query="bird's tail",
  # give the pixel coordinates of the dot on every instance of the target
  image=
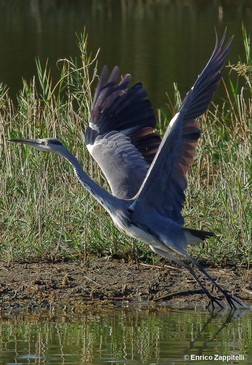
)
(194, 236)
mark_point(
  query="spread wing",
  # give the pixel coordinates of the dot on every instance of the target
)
(121, 134)
(165, 182)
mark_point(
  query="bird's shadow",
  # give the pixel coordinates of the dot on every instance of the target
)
(182, 293)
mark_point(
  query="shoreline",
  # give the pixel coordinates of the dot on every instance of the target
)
(105, 283)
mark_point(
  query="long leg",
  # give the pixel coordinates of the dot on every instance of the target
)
(212, 298)
(230, 299)
(192, 272)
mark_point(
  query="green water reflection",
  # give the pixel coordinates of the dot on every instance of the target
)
(159, 42)
(127, 336)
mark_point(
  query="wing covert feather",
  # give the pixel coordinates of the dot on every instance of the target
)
(120, 161)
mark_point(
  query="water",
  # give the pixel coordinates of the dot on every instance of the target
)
(158, 42)
(128, 336)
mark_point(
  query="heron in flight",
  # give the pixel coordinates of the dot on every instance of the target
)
(147, 175)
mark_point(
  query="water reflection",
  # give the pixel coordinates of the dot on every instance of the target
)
(159, 42)
(125, 336)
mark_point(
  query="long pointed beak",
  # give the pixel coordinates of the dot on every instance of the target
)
(30, 142)
(34, 143)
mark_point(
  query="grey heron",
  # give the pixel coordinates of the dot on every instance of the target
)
(147, 175)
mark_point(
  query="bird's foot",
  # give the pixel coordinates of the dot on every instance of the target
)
(213, 301)
(232, 301)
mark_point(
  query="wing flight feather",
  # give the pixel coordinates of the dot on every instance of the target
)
(165, 182)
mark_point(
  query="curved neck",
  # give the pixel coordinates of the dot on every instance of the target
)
(102, 196)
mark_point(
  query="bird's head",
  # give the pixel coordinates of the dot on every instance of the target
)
(43, 144)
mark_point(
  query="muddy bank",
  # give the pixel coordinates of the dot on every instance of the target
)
(109, 282)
